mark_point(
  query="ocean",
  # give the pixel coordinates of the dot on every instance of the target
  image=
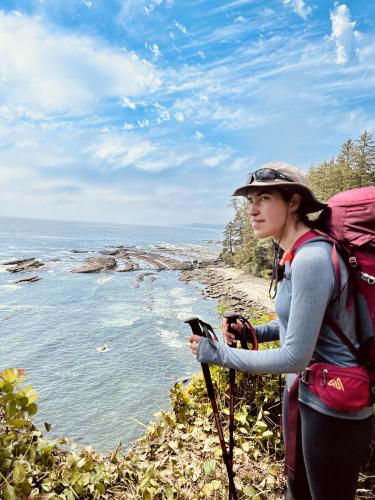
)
(53, 328)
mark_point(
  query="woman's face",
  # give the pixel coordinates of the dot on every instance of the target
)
(268, 212)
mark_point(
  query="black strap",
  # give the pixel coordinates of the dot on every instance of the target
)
(208, 330)
(341, 335)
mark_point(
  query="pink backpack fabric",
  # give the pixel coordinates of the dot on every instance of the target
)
(349, 221)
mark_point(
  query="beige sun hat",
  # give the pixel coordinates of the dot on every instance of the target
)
(280, 174)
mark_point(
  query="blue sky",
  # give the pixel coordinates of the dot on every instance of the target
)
(152, 112)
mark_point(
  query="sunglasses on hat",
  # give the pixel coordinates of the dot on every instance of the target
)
(267, 174)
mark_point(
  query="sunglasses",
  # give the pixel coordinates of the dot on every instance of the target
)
(267, 174)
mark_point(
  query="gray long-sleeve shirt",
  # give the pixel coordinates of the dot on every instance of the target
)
(307, 290)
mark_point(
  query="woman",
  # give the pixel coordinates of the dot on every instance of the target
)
(332, 444)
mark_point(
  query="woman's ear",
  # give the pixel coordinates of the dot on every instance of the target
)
(295, 202)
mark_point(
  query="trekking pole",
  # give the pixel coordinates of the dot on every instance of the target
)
(232, 317)
(195, 325)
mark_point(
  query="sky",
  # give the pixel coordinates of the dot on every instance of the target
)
(154, 111)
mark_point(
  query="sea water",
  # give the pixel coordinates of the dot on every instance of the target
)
(53, 328)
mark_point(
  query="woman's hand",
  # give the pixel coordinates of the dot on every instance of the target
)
(194, 343)
(229, 337)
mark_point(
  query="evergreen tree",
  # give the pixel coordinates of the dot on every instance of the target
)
(365, 159)
(347, 154)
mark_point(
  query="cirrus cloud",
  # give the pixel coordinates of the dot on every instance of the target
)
(299, 7)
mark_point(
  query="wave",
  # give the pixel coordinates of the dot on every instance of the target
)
(101, 281)
(170, 338)
(120, 322)
(11, 287)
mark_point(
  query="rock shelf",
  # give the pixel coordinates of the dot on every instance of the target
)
(126, 259)
(23, 265)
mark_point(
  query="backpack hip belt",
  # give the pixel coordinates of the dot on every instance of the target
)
(342, 388)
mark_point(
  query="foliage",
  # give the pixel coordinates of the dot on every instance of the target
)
(178, 457)
(31, 467)
(353, 167)
(241, 248)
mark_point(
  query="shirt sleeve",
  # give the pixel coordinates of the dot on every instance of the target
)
(269, 331)
(313, 284)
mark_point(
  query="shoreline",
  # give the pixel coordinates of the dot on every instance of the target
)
(233, 288)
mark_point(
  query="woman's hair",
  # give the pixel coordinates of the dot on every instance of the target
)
(287, 195)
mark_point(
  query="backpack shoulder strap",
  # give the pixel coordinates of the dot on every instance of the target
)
(312, 235)
(289, 255)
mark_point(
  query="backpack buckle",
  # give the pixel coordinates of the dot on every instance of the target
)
(353, 261)
(306, 376)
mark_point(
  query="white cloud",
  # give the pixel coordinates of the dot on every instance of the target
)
(199, 135)
(127, 103)
(155, 51)
(179, 117)
(267, 12)
(47, 71)
(231, 5)
(240, 164)
(299, 7)
(151, 6)
(143, 123)
(181, 27)
(120, 150)
(218, 158)
(240, 19)
(343, 34)
(88, 3)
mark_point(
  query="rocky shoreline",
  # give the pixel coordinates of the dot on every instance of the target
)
(123, 259)
(233, 289)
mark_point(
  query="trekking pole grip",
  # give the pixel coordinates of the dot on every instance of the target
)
(232, 318)
(193, 322)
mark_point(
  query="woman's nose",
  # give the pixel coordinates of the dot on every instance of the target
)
(253, 209)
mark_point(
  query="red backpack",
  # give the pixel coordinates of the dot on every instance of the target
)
(348, 222)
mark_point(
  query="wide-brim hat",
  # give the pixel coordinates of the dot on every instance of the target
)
(295, 182)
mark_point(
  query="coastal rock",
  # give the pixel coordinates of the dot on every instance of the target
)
(142, 276)
(28, 280)
(23, 265)
(97, 265)
(18, 261)
(128, 266)
(110, 251)
(79, 251)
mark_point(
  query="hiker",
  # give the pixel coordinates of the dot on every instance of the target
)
(331, 444)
